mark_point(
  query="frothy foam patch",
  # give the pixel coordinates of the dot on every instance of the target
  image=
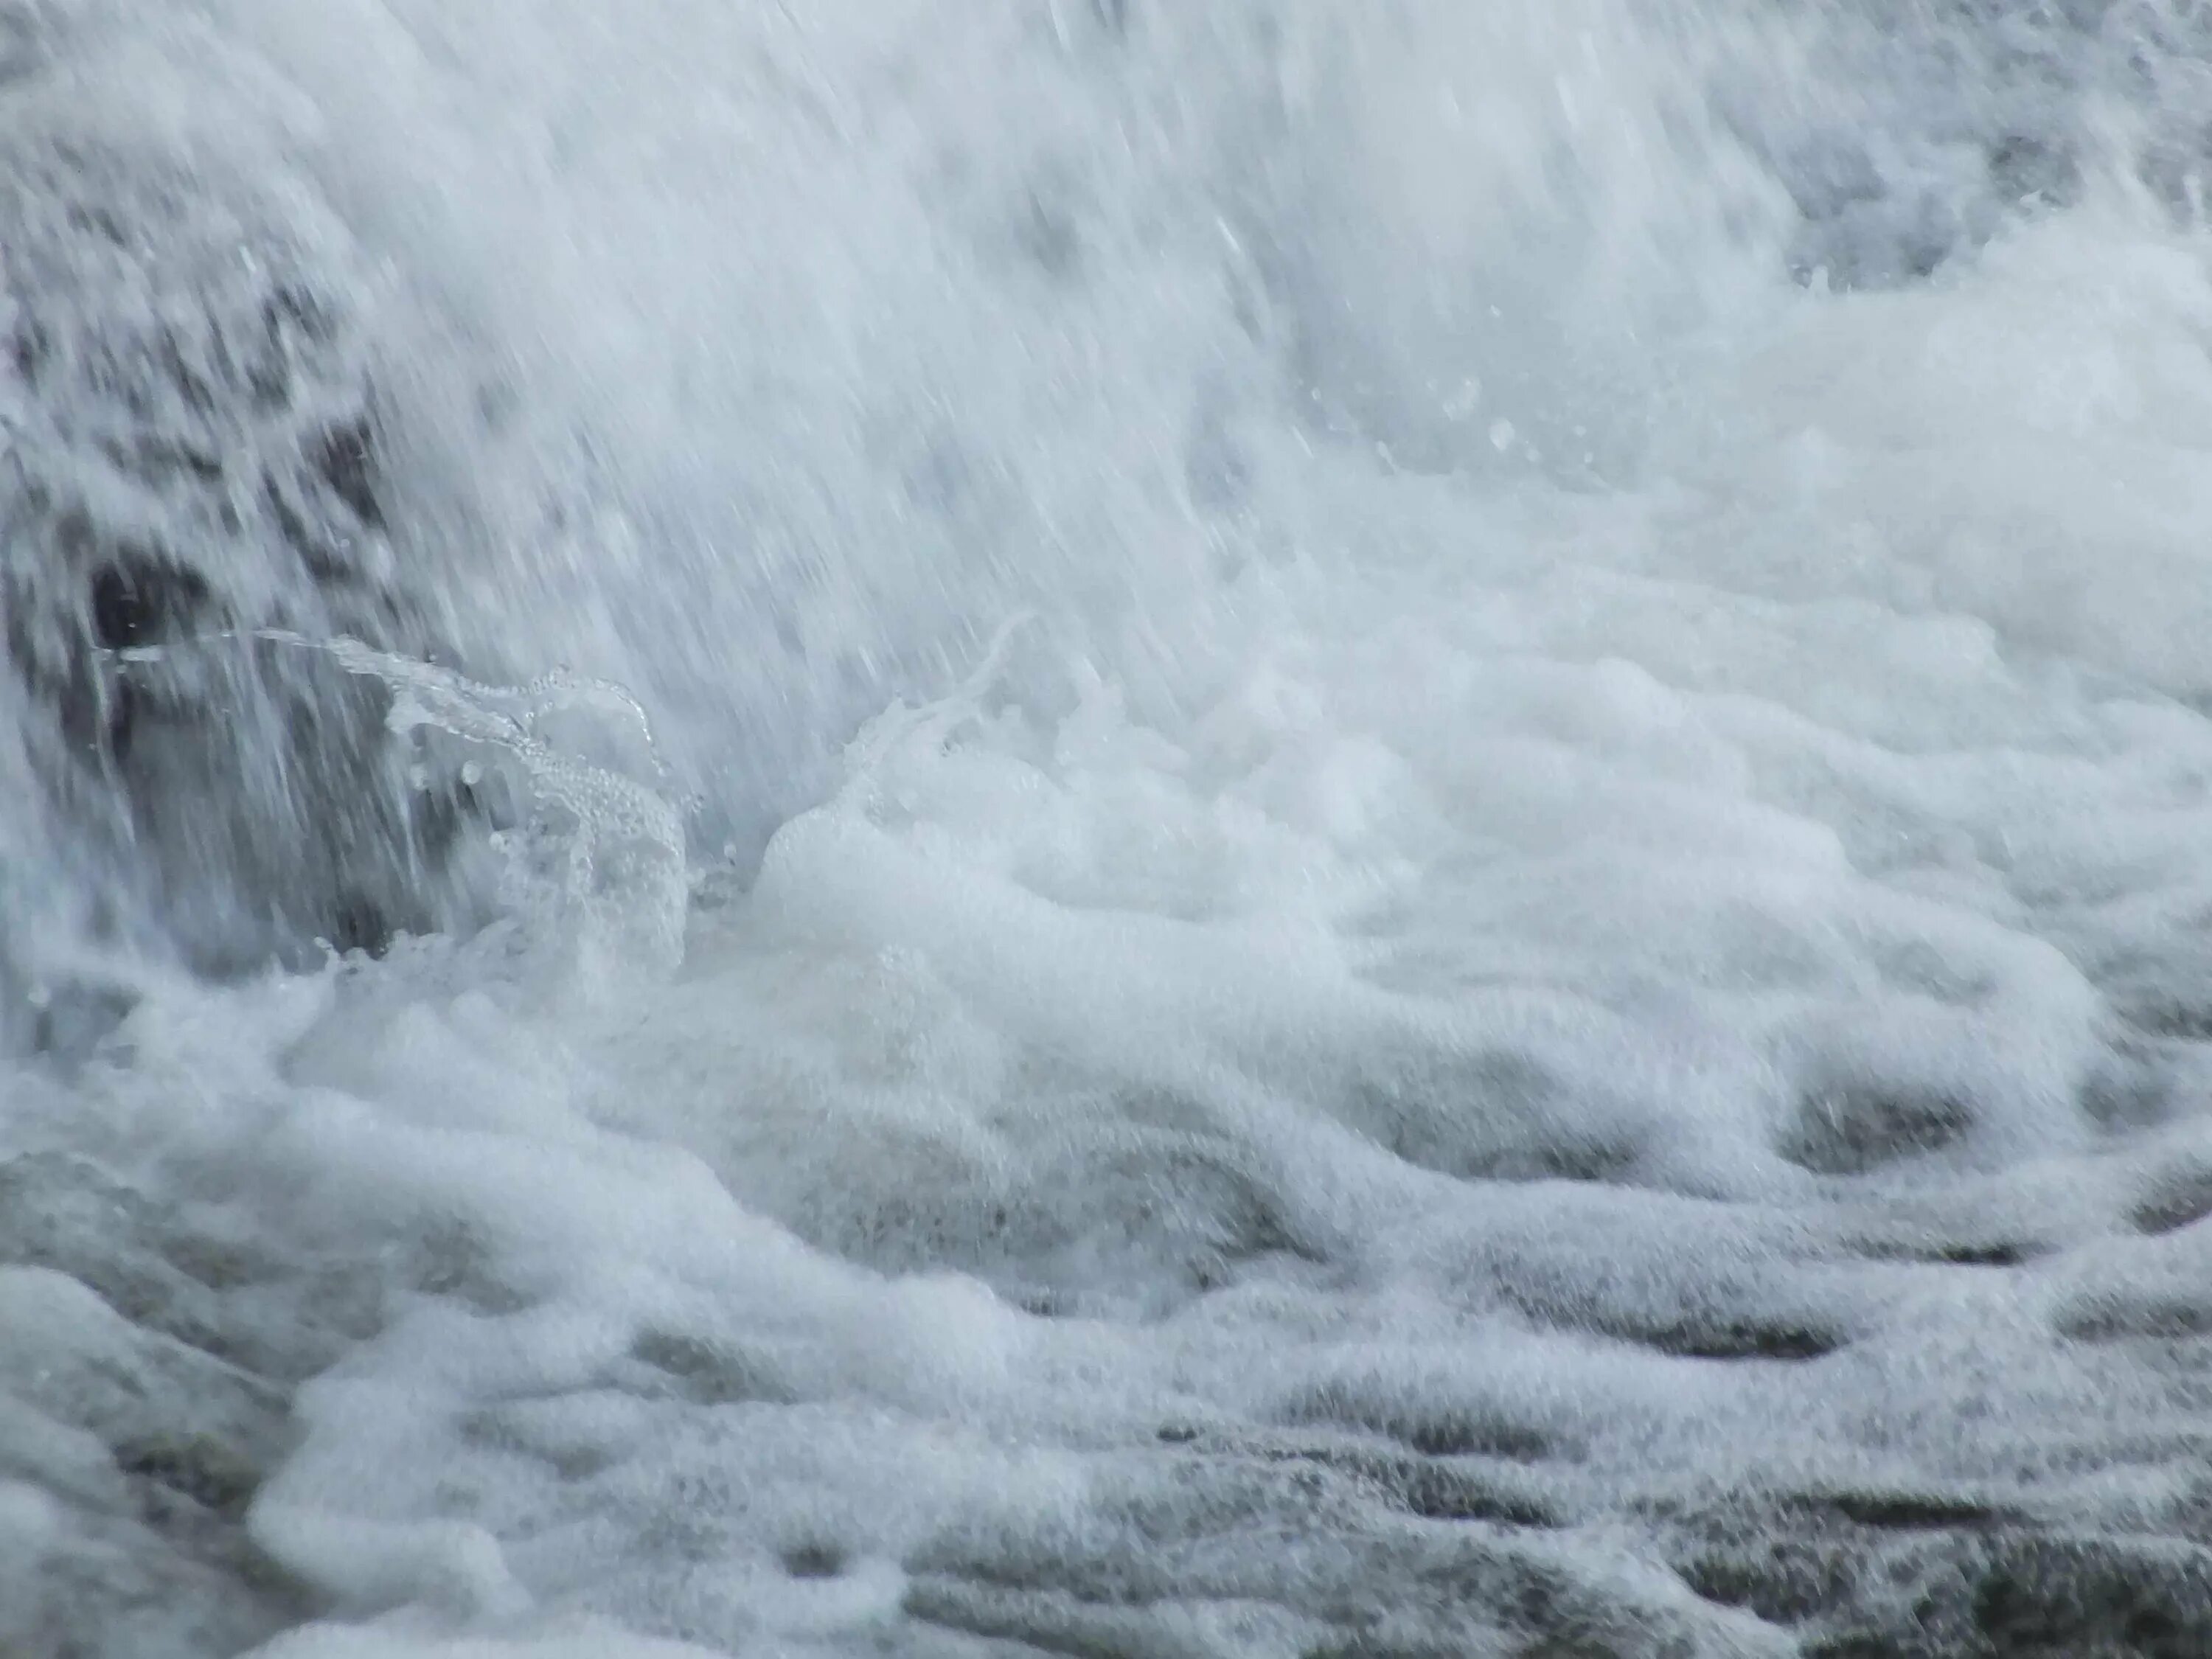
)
(582, 1640)
(1428, 1057)
(1177, 1124)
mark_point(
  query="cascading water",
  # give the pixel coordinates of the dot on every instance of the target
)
(998, 827)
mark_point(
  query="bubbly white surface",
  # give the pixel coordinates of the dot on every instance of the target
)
(1515, 889)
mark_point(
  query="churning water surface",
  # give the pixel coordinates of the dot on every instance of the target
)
(1339, 828)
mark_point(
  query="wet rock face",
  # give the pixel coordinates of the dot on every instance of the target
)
(1954, 118)
(194, 451)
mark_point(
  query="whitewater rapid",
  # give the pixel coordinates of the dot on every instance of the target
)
(976, 828)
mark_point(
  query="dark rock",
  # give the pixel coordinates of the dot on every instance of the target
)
(198, 453)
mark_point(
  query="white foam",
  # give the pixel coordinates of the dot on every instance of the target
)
(29, 1521)
(584, 1640)
(1402, 957)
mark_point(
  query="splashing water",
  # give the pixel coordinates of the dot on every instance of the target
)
(603, 851)
(1380, 828)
